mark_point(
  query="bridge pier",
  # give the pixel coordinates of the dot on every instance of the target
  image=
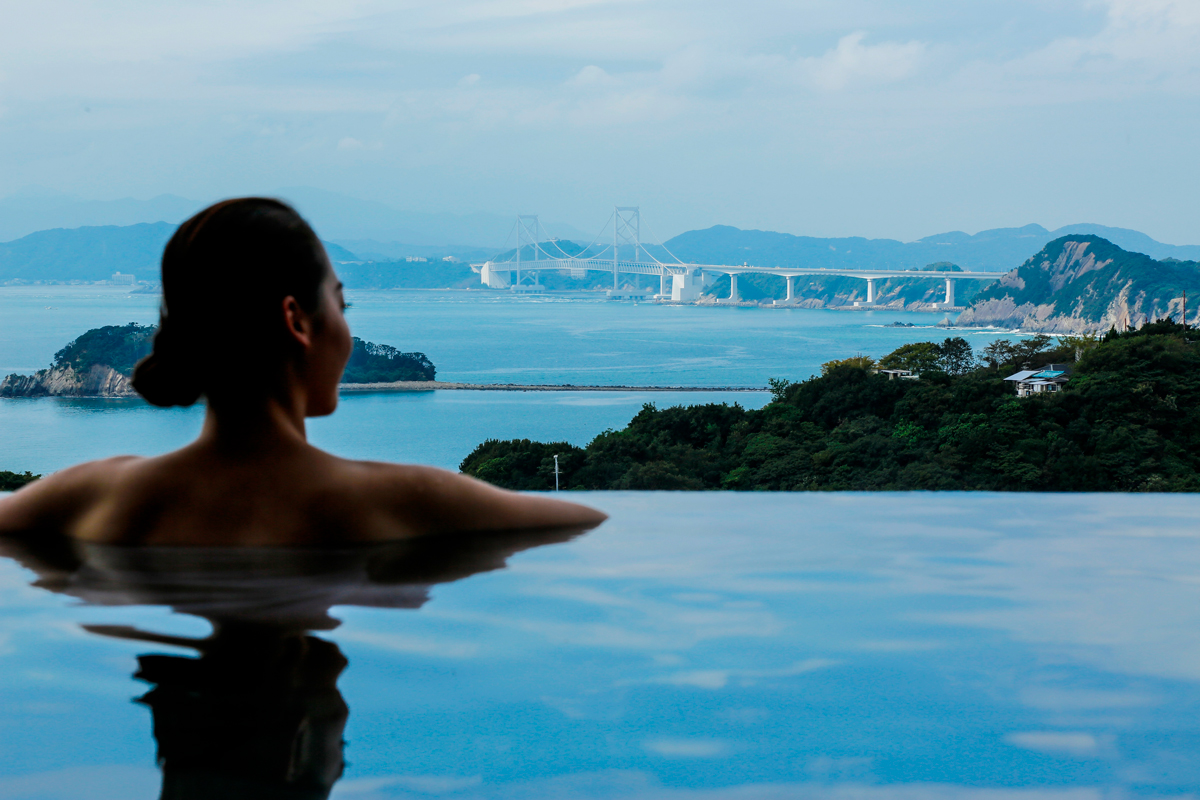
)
(791, 289)
(662, 281)
(733, 295)
(687, 286)
(949, 292)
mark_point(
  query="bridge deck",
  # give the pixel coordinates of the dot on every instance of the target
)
(654, 268)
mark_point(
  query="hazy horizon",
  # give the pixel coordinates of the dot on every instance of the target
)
(860, 118)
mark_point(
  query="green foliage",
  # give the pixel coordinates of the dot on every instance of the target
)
(381, 363)
(1129, 420)
(116, 346)
(953, 357)
(916, 357)
(11, 481)
(522, 464)
(1079, 345)
(853, 362)
(122, 346)
(778, 388)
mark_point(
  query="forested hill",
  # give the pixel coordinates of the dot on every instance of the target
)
(996, 250)
(1082, 283)
(1128, 420)
(95, 253)
(100, 362)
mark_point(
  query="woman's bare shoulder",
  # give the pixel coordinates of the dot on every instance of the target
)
(60, 498)
(432, 500)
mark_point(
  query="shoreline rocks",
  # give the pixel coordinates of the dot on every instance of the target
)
(66, 382)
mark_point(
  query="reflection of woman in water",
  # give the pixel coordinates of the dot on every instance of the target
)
(252, 320)
(258, 715)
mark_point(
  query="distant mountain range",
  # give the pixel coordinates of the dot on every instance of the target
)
(95, 253)
(999, 249)
(1085, 283)
(334, 216)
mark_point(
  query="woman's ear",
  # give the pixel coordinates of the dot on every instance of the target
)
(299, 322)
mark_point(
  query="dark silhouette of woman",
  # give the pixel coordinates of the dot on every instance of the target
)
(252, 321)
(257, 714)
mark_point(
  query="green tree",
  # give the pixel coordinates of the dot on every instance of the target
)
(955, 356)
(116, 346)
(11, 481)
(917, 357)
(1027, 351)
(998, 353)
(1080, 344)
(778, 388)
(381, 363)
(856, 362)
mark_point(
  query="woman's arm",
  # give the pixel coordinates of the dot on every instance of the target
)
(54, 503)
(430, 500)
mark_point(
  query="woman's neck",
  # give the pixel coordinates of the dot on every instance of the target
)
(243, 427)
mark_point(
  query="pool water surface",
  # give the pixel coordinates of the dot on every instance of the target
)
(697, 645)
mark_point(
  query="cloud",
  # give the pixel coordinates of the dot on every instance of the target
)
(349, 143)
(469, 80)
(853, 63)
(591, 76)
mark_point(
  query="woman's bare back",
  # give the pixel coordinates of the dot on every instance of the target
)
(297, 495)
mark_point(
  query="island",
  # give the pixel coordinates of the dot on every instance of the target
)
(11, 481)
(929, 416)
(100, 364)
(1078, 284)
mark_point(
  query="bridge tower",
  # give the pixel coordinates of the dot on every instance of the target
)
(627, 230)
(528, 232)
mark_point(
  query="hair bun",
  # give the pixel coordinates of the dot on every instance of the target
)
(164, 379)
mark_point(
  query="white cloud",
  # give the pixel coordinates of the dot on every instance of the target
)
(591, 76)
(349, 143)
(851, 62)
(469, 80)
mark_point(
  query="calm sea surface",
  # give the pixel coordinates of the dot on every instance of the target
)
(695, 647)
(473, 337)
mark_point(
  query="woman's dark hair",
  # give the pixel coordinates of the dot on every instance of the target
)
(225, 273)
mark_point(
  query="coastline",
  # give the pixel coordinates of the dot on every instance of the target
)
(430, 386)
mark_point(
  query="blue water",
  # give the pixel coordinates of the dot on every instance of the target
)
(471, 337)
(479, 337)
(439, 428)
(711, 646)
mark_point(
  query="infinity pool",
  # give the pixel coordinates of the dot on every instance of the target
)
(695, 646)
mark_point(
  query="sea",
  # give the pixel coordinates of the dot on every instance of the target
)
(697, 645)
(472, 337)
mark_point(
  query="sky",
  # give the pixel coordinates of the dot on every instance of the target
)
(820, 117)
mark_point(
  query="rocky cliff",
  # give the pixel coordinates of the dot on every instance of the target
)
(1078, 284)
(97, 381)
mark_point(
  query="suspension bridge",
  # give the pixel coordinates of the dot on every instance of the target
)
(679, 282)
